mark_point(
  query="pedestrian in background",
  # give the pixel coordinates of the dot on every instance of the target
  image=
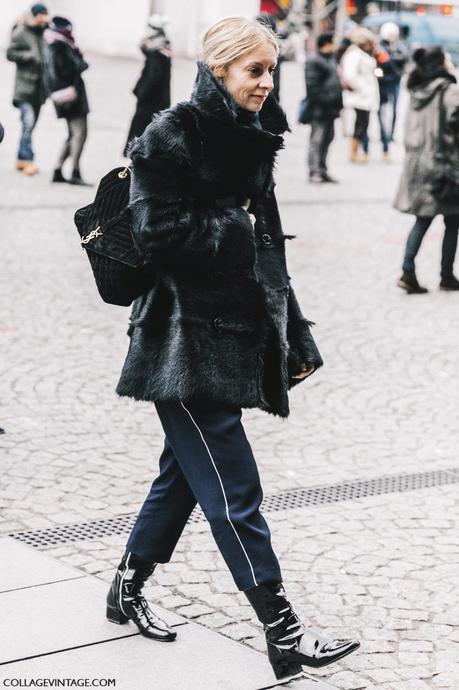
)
(325, 98)
(361, 89)
(26, 49)
(434, 96)
(271, 21)
(212, 336)
(153, 89)
(398, 55)
(65, 64)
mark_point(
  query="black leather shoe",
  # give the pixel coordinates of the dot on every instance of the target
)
(125, 600)
(326, 178)
(76, 179)
(290, 645)
(409, 282)
(58, 176)
(450, 283)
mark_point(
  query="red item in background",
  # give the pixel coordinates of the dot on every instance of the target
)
(383, 57)
(269, 6)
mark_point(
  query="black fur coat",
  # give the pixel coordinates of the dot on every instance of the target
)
(222, 322)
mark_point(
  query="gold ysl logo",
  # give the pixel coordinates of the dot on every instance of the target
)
(93, 234)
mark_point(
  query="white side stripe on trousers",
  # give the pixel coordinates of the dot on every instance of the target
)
(224, 495)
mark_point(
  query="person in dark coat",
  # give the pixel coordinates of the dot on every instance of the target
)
(65, 66)
(221, 330)
(324, 93)
(26, 49)
(153, 89)
(431, 86)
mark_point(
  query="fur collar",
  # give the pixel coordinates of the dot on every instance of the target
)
(215, 102)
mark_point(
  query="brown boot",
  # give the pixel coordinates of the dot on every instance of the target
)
(30, 169)
(356, 157)
(20, 165)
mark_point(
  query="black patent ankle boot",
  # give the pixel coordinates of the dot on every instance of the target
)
(125, 601)
(290, 645)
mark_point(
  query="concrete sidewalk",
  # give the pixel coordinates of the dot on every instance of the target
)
(53, 627)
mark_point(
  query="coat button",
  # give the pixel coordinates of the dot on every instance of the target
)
(217, 323)
(266, 239)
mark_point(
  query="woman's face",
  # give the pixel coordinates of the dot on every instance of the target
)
(249, 78)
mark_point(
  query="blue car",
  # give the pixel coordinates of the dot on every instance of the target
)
(422, 29)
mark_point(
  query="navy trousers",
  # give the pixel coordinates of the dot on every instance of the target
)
(207, 459)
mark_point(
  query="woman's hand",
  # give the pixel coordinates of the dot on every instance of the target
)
(306, 370)
(246, 206)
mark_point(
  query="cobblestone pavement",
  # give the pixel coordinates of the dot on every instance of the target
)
(383, 568)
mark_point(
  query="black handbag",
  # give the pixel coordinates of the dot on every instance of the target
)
(305, 111)
(445, 180)
(105, 231)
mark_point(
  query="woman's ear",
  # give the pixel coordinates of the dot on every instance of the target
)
(219, 71)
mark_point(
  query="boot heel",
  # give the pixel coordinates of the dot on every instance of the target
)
(115, 616)
(284, 667)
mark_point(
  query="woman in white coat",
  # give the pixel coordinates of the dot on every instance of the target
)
(361, 89)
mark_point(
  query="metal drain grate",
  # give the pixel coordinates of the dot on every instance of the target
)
(288, 500)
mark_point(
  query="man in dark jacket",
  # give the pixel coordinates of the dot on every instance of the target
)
(324, 93)
(26, 49)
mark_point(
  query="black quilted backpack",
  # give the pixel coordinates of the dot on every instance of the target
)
(105, 233)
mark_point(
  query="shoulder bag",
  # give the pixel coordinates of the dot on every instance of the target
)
(105, 233)
(64, 97)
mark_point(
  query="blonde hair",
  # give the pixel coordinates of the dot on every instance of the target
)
(362, 35)
(231, 37)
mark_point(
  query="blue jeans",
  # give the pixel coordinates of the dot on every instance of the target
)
(29, 116)
(449, 245)
(393, 93)
(386, 119)
(386, 136)
(207, 459)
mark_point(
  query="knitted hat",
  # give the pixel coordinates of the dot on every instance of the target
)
(389, 31)
(38, 8)
(60, 24)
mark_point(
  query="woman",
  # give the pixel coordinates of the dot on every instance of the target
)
(361, 89)
(65, 66)
(431, 86)
(153, 89)
(221, 330)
